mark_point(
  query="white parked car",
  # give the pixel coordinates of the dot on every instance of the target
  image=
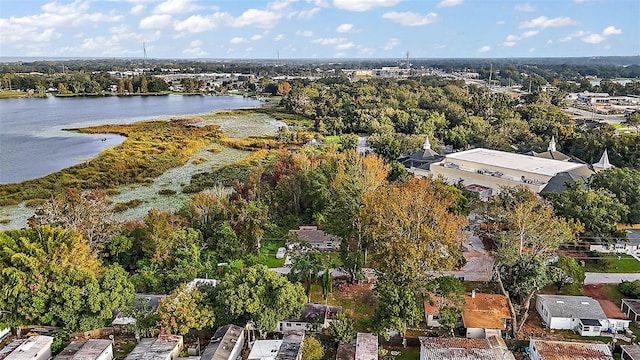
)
(280, 253)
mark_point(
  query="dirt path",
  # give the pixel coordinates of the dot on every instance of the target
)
(610, 309)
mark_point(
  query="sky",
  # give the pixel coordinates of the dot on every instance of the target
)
(304, 29)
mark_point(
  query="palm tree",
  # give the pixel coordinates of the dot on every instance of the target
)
(305, 269)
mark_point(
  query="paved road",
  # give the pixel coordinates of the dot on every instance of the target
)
(601, 117)
(609, 278)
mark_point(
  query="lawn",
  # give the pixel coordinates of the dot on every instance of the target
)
(357, 300)
(409, 353)
(621, 263)
(268, 250)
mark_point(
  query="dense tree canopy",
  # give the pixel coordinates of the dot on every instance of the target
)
(50, 276)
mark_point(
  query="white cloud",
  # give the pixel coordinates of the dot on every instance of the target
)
(446, 3)
(611, 30)
(532, 50)
(175, 7)
(256, 37)
(199, 23)
(391, 43)
(344, 28)
(544, 22)
(329, 41)
(344, 46)
(238, 40)
(194, 49)
(525, 7)
(306, 33)
(278, 37)
(512, 40)
(308, 14)
(594, 39)
(500, 22)
(484, 49)
(578, 33)
(156, 22)
(410, 18)
(363, 5)
(137, 9)
(258, 18)
(280, 4)
(320, 3)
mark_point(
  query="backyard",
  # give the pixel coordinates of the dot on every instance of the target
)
(612, 263)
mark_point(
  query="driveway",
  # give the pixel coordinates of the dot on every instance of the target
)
(609, 278)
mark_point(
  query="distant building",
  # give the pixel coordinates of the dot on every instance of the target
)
(314, 317)
(318, 239)
(561, 350)
(493, 348)
(93, 349)
(421, 158)
(165, 347)
(226, 344)
(630, 245)
(33, 348)
(495, 169)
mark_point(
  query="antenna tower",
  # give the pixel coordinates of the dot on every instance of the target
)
(407, 60)
(144, 59)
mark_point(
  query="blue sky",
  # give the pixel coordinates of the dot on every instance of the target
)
(319, 28)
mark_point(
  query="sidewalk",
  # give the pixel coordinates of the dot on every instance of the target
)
(609, 278)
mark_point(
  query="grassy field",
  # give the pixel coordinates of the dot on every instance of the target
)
(622, 263)
(12, 94)
(268, 251)
(409, 353)
(356, 300)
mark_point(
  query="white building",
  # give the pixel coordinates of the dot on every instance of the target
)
(226, 344)
(579, 313)
(33, 348)
(264, 350)
(495, 169)
(165, 347)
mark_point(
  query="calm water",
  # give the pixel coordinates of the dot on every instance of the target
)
(33, 143)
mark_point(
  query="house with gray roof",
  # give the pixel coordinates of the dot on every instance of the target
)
(492, 348)
(33, 348)
(314, 317)
(579, 313)
(93, 349)
(226, 344)
(622, 246)
(164, 347)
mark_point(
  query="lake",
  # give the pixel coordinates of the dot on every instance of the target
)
(33, 143)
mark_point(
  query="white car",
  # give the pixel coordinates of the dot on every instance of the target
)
(280, 253)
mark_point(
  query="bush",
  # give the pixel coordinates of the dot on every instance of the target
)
(166, 192)
(629, 288)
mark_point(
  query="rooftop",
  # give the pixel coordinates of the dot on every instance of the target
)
(29, 348)
(222, 343)
(81, 350)
(633, 304)
(577, 307)
(507, 160)
(464, 349)
(155, 349)
(312, 235)
(291, 345)
(570, 350)
(632, 350)
(485, 311)
(318, 312)
(366, 346)
(264, 349)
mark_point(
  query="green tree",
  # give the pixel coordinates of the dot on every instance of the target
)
(307, 265)
(312, 349)
(448, 292)
(144, 84)
(625, 184)
(259, 295)
(568, 272)
(397, 308)
(349, 141)
(50, 276)
(342, 329)
(183, 310)
(598, 210)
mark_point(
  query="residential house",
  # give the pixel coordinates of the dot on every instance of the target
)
(33, 348)
(316, 238)
(631, 307)
(568, 350)
(363, 347)
(630, 245)
(165, 347)
(289, 348)
(226, 344)
(630, 352)
(314, 317)
(483, 315)
(93, 349)
(493, 348)
(578, 313)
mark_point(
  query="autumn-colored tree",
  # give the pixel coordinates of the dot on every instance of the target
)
(87, 213)
(284, 88)
(312, 349)
(412, 230)
(144, 85)
(184, 309)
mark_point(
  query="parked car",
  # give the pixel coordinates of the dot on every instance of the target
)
(280, 253)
